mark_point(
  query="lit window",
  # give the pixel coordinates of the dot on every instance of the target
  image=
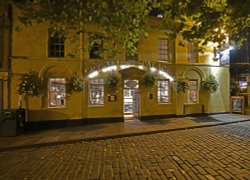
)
(163, 49)
(96, 46)
(56, 46)
(56, 92)
(192, 52)
(96, 91)
(243, 84)
(192, 92)
(163, 91)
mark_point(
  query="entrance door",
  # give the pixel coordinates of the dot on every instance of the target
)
(131, 99)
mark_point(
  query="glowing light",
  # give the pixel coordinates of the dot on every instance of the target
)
(110, 68)
(216, 44)
(231, 48)
(140, 67)
(153, 69)
(125, 66)
(93, 74)
(159, 15)
(166, 75)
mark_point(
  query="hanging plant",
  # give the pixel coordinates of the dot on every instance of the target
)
(210, 84)
(30, 84)
(181, 85)
(74, 84)
(113, 81)
(150, 79)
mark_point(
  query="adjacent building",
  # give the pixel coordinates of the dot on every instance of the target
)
(240, 70)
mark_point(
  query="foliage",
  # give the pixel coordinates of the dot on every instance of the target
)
(208, 20)
(150, 79)
(74, 84)
(124, 22)
(181, 85)
(210, 84)
(30, 84)
(113, 81)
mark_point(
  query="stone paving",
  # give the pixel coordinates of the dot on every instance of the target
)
(216, 152)
(113, 130)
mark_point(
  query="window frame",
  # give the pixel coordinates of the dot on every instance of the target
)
(193, 55)
(56, 46)
(97, 47)
(160, 90)
(98, 85)
(63, 94)
(163, 49)
(196, 94)
(134, 57)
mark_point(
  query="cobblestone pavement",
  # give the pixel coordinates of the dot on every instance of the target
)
(221, 152)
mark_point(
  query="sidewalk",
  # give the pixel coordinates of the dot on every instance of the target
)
(115, 130)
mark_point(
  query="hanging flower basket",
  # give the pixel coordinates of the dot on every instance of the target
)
(30, 84)
(210, 84)
(181, 85)
(74, 84)
(150, 80)
(113, 81)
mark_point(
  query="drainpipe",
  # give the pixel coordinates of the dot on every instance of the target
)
(10, 18)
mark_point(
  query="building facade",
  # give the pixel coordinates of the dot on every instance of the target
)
(56, 60)
(240, 71)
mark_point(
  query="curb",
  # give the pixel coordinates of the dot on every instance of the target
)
(29, 146)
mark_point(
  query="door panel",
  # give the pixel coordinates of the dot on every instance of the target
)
(131, 98)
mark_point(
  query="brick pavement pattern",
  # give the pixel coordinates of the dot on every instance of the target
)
(221, 152)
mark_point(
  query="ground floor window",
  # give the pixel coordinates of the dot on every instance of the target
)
(56, 92)
(96, 91)
(163, 91)
(192, 93)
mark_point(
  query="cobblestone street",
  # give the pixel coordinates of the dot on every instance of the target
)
(219, 152)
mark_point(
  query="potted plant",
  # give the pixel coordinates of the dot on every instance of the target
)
(74, 84)
(30, 84)
(181, 85)
(210, 84)
(149, 79)
(113, 81)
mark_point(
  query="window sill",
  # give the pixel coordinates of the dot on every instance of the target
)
(96, 105)
(59, 107)
(192, 103)
(165, 103)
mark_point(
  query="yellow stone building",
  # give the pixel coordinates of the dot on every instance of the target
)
(56, 60)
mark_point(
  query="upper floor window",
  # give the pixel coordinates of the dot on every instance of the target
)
(133, 57)
(163, 49)
(56, 45)
(192, 93)
(96, 91)
(192, 52)
(56, 92)
(163, 91)
(95, 46)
